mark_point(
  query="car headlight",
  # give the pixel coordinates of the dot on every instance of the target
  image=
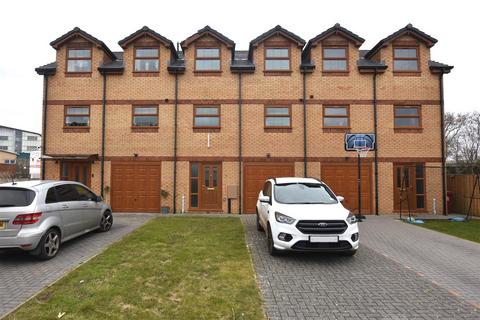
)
(280, 217)
(351, 219)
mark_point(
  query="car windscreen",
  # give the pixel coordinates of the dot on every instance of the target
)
(304, 193)
(15, 197)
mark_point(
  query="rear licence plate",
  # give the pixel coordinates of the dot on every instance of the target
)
(324, 239)
(3, 225)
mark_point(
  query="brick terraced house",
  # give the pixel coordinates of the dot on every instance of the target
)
(155, 127)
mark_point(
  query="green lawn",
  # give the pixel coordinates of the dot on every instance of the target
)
(467, 230)
(171, 268)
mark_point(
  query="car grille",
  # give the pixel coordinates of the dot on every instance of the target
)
(322, 226)
(326, 246)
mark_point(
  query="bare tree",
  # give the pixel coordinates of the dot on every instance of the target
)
(462, 137)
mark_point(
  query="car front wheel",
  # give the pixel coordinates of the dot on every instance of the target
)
(259, 226)
(106, 222)
(270, 246)
(49, 245)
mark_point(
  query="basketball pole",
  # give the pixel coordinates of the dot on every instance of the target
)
(359, 187)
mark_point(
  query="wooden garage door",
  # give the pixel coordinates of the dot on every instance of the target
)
(254, 176)
(342, 179)
(136, 187)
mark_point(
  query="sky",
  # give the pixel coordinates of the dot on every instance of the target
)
(27, 28)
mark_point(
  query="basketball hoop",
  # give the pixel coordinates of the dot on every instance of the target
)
(363, 152)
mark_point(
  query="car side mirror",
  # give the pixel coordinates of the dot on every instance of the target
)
(98, 199)
(265, 199)
(340, 198)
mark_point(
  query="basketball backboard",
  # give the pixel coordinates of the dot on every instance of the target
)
(359, 141)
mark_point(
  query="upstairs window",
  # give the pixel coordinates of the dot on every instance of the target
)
(277, 59)
(79, 60)
(206, 117)
(405, 59)
(335, 117)
(77, 116)
(278, 117)
(407, 117)
(145, 116)
(32, 138)
(3, 138)
(207, 59)
(4, 148)
(335, 59)
(146, 60)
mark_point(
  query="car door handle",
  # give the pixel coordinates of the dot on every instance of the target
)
(85, 205)
(64, 206)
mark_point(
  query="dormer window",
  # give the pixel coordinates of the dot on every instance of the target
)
(405, 59)
(277, 59)
(207, 59)
(335, 59)
(146, 60)
(79, 60)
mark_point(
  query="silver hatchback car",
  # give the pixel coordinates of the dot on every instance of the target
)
(38, 216)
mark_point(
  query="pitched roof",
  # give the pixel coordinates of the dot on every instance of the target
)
(47, 69)
(241, 63)
(277, 30)
(207, 30)
(79, 32)
(336, 29)
(409, 30)
(439, 67)
(144, 31)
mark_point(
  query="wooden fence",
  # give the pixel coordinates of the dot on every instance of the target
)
(461, 186)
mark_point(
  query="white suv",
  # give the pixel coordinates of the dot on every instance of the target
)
(303, 214)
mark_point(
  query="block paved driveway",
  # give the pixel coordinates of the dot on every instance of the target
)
(22, 276)
(400, 272)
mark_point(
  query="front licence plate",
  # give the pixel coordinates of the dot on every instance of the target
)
(324, 239)
(3, 225)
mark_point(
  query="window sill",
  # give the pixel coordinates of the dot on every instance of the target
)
(277, 72)
(407, 73)
(336, 130)
(146, 74)
(78, 74)
(335, 73)
(277, 130)
(76, 129)
(210, 73)
(408, 130)
(206, 129)
(144, 129)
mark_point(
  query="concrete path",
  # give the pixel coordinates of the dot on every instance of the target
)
(22, 276)
(370, 285)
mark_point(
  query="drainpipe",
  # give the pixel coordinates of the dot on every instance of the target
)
(102, 161)
(44, 125)
(304, 124)
(175, 146)
(375, 126)
(239, 143)
(442, 138)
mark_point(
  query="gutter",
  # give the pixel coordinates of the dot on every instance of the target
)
(375, 126)
(102, 161)
(442, 138)
(175, 146)
(305, 124)
(240, 143)
(44, 125)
